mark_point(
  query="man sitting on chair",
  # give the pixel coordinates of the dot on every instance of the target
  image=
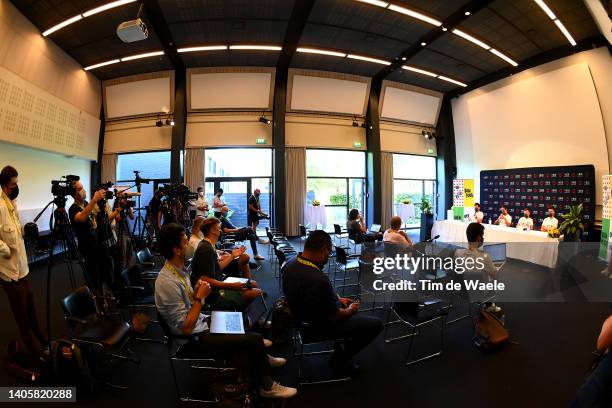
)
(357, 230)
(312, 300)
(396, 236)
(230, 265)
(206, 265)
(241, 233)
(550, 222)
(180, 306)
(504, 219)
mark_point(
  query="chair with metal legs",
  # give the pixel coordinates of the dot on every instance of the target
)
(175, 355)
(345, 264)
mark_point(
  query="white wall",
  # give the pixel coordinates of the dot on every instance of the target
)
(36, 170)
(136, 136)
(327, 132)
(401, 138)
(226, 129)
(558, 113)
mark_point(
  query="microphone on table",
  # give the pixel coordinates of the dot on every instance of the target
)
(432, 239)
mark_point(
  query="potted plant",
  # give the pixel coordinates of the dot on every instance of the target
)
(426, 218)
(406, 201)
(572, 226)
(315, 203)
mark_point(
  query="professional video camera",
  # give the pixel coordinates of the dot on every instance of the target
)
(139, 180)
(64, 187)
(178, 192)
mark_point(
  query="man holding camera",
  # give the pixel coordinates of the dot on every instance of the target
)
(14, 264)
(124, 209)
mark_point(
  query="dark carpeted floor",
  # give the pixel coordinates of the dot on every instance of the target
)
(543, 366)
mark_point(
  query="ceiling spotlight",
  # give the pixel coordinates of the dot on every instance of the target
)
(423, 44)
(159, 123)
(355, 123)
(427, 134)
(467, 13)
(403, 58)
(264, 120)
(172, 122)
(444, 29)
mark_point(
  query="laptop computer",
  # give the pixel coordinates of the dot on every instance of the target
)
(375, 228)
(497, 253)
(226, 323)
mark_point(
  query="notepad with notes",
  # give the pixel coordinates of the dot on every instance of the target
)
(226, 323)
(231, 279)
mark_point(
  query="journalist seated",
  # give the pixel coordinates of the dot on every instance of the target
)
(233, 263)
(241, 233)
(357, 229)
(312, 300)
(206, 265)
(396, 236)
(180, 306)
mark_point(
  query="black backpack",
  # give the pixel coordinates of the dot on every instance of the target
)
(280, 315)
(232, 390)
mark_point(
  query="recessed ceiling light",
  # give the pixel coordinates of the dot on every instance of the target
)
(415, 14)
(145, 55)
(504, 57)
(565, 32)
(203, 48)
(420, 71)
(106, 7)
(471, 39)
(322, 52)
(444, 29)
(404, 58)
(256, 47)
(378, 3)
(467, 13)
(546, 9)
(62, 25)
(368, 59)
(447, 79)
(102, 64)
(423, 44)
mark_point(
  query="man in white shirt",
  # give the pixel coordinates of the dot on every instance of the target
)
(525, 222)
(14, 265)
(550, 221)
(218, 203)
(478, 215)
(504, 219)
(201, 204)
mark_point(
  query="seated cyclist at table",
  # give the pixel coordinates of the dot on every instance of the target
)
(206, 266)
(233, 263)
(504, 219)
(241, 233)
(525, 222)
(478, 215)
(550, 222)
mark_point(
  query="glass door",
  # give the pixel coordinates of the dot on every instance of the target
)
(235, 195)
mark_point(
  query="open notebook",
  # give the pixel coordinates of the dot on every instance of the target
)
(226, 323)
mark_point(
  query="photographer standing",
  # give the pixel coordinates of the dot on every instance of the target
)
(14, 264)
(123, 211)
(84, 226)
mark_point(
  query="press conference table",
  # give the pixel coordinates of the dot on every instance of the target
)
(530, 246)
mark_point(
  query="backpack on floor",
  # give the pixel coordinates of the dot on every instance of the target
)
(232, 390)
(280, 315)
(489, 331)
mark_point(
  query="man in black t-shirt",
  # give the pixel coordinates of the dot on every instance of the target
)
(312, 300)
(255, 213)
(154, 205)
(241, 233)
(83, 226)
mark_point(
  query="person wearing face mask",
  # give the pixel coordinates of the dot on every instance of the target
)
(201, 204)
(550, 221)
(206, 264)
(255, 213)
(14, 268)
(83, 222)
(312, 300)
(180, 305)
(525, 222)
(218, 203)
(483, 267)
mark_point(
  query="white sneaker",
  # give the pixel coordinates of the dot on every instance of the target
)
(268, 343)
(276, 362)
(278, 391)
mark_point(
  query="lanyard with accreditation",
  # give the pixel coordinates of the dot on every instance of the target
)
(180, 277)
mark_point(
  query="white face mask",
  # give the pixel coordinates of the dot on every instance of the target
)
(83, 194)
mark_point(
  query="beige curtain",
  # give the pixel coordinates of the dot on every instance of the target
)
(386, 162)
(194, 168)
(295, 178)
(108, 170)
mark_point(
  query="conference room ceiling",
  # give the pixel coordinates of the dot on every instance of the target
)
(517, 28)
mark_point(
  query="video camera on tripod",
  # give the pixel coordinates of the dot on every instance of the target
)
(177, 193)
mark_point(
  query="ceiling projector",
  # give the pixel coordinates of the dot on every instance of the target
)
(132, 30)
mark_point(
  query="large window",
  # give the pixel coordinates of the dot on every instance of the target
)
(151, 165)
(335, 178)
(414, 179)
(239, 171)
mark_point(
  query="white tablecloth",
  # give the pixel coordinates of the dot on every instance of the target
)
(406, 211)
(518, 242)
(315, 215)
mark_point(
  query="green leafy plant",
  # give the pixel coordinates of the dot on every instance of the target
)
(425, 206)
(315, 203)
(406, 201)
(337, 199)
(572, 226)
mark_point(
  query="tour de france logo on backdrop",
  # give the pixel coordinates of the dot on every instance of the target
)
(538, 188)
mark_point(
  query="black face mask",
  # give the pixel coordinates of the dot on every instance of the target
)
(14, 193)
